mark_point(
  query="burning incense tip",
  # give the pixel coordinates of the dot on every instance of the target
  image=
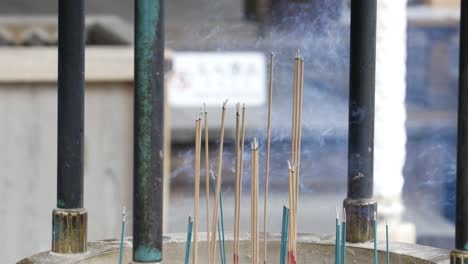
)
(243, 106)
(224, 104)
(337, 213)
(237, 108)
(375, 215)
(204, 107)
(344, 215)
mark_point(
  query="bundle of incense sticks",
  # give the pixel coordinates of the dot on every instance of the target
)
(340, 238)
(218, 187)
(294, 173)
(294, 168)
(254, 200)
(198, 133)
(238, 171)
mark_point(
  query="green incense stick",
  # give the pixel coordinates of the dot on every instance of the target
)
(189, 240)
(337, 238)
(284, 234)
(122, 234)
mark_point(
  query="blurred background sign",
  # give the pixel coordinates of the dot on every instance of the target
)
(211, 76)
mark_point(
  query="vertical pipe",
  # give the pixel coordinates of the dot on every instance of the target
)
(361, 99)
(461, 235)
(69, 219)
(359, 203)
(70, 104)
(148, 131)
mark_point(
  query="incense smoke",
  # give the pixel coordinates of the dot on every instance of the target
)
(324, 43)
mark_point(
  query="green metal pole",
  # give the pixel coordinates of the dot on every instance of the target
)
(148, 132)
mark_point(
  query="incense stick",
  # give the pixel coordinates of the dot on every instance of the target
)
(284, 234)
(299, 116)
(295, 184)
(189, 239)
(254, 200)
(207, 183)
(222, 226)
(197, 188)
(343, 238)
(387, 242)
(222, 250)
(267, 167)
(337, 238)
(122, 235)
(241, 172)
(237, 178)
(218, 183)
(376, 257)
(291, 214)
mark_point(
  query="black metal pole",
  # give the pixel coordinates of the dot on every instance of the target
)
(148, 131)
(359, 204)
(461, 223)
(70, 219)
(70, 104)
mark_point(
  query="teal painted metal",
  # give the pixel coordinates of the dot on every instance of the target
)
(148, 131)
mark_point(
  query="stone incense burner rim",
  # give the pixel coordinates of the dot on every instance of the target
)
(110, 246)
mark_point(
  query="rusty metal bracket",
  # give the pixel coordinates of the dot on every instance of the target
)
(69, 231)
(458, 257)
(360, 219)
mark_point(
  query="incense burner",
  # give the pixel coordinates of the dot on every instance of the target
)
(311, 249)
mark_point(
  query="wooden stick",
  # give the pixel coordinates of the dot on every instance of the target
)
(290, 236)
(241, 172)
(294, 112)
(207, 183)
(267, 170)
(237, 195)
(218, 184)
(301, 93)
(252, 203)
(254, 200)
(197, 188)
